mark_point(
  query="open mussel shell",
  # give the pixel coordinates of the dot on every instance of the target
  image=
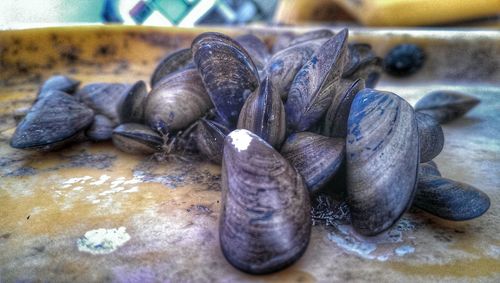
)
(311, 35)
(317, 158)
(335, 120)
(59, 83)
(428, 168)
(284, 65)
(362, 63)
(264, 114)
(445, 106)
(209, 138)
(265, 224)
(131, 110)
(137, 139)
(313, 88)
(101, 129)
(104, 98)
(382, 153)
(175, 61)
(52, 122)
(430, 135)
(177, 101)
(256, 48)
(450, 199)
(227, 71)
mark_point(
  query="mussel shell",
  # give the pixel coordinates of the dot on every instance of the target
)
(256, 48)
(311, 35)
(363, 63)
(450, 199)
(51, 122)
(104, 98)
(317, 158)
(284, 65)
(177, 101)
(335, 121)
(382, 153)
(445, 106)
(430, 135)
(137, 139)
(131, 110)
(265, 224)
(264, 114)
(209, 138)
(428, 168)
(60, 83)
(175, 61)
(313, 88)
(227, 71)
(101, 129)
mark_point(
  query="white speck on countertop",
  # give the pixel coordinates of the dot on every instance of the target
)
(103, 241)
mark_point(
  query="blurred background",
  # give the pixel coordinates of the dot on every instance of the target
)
(187, 13)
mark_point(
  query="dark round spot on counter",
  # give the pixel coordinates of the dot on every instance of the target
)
(404, 60)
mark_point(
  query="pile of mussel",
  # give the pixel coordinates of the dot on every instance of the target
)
(283, 125)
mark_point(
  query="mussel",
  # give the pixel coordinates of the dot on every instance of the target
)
(131, 109)
(104, 98)
(450, 199)
(228, 73)
(265, 224)
(430, 135)
(382, 153)
(284, 65)
(177, 101)
(101, 129)
(335, 120)
(312, 90)
(52, 122)
(59, 83)
(256, 48)
(175, 61)
(264, 115)
(445, 106)
(209, 138)
(428, 168)
(362, 63)
(317, 158)
(137, 138)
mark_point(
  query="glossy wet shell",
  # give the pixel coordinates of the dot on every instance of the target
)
(60, 83)
(446, 106)
(101, 129)
(450, 199)
(265, 224)
(264, 114)
(382, 153)
(175, 61)
(131, 110)
(52, 121)
(313, 88)
(137, 139)
(317, 158)
(209, 139)
(284, 65)
(104, 98)
(177, 101)
(335, 121)
(430, 135)
(227, 71)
